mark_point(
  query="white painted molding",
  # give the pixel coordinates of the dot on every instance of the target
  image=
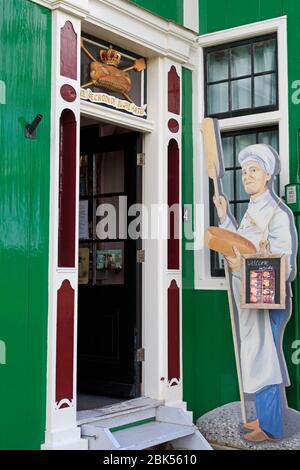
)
(139, 30)
(131, 26)
(76, 8)
(211, 284)
(61, 426)
(191, 15)
(244, 122)
(242, 32)
(117, 118)
(203, 279)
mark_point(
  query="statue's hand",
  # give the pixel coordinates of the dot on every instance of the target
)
(234, 262)
(221, 206)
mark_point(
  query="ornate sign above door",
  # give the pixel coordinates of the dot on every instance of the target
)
(116, 80)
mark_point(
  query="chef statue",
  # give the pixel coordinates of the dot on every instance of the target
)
(268, 220)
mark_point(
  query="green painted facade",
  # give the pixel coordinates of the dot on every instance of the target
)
(210, 377)
(168, 9)
(209, 365)
(25, 75)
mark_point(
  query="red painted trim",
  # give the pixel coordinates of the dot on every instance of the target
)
(173, 198)
(68, 93)
(173, 126)
(68, 51)
(67, 190)
(173, 91)
(65, 343)
(173, 332)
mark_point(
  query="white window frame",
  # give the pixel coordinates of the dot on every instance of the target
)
(203, 278)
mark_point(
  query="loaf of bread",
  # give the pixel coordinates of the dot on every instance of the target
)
(223, 241)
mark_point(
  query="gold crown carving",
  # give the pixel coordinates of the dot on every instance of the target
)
(110, 56)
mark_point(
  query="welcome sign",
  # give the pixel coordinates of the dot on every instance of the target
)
(263, 282)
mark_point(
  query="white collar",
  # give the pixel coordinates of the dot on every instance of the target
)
(265, 197)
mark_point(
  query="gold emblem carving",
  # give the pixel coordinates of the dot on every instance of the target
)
(107, 75)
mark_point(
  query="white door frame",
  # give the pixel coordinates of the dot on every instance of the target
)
(164, 44)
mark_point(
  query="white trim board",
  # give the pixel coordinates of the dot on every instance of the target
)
(130, 26)
(203, 279)
(191, 14)
(102, 113)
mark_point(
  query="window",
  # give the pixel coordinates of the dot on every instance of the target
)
(233, 143)
(102, 182)
(242, 77)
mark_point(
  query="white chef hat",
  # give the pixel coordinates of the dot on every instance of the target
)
(264, 155)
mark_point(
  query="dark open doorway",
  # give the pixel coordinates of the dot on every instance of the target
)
(110, 278)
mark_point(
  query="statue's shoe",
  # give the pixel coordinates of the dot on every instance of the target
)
(258, 435)
(251, 425)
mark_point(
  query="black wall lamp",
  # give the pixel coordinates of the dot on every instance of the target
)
(30, 129)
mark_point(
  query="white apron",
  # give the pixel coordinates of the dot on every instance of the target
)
(259, 359)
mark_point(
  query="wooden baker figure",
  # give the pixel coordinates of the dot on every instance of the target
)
(267, 223)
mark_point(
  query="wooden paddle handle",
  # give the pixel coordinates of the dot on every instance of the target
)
(235, 344)
(216, 188)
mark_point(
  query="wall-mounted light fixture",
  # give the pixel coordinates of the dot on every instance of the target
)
(30, 129)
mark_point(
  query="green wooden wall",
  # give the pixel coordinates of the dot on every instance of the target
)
(210, 378)
(209, 366)
(25, 69)
(168, 9)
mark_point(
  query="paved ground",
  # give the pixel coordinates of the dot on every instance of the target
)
(223, 427)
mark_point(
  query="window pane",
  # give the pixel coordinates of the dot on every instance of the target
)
(107, 218)
(110, 172)
(109, 263)
(227, 144)
(269, 138)
(218, 98)
(241, 94)
(217, 65)
(228, 184)
(86, 175)
(265, 56)
(232, 209)
(241, 61)
(240, 211)
(215, 220)
(240, 192)
(242, 141)
(85, 219)
(265, 90)
(85, 265)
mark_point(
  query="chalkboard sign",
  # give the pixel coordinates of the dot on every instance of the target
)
(263, 281)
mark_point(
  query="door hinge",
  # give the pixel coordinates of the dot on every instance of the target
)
(141, 159)
(140, 256)
(140, 355)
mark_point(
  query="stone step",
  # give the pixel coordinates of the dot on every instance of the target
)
(151, 434)
(138, 437)
(121, 414)
(140, 425)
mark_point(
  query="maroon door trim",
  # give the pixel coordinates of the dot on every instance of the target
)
(68, 93)
(65, 344)
(173, 200)
(67, 190)
(173, 333)
(173, 126)
(173, 91)
(68, 51)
